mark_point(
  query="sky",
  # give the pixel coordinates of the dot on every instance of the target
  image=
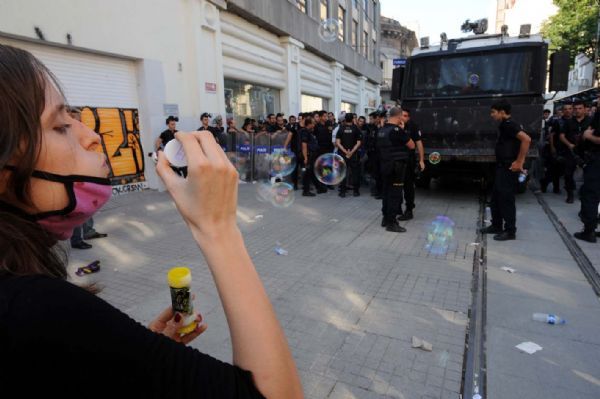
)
(432, 17)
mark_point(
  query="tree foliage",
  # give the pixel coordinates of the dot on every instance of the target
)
(573, 27)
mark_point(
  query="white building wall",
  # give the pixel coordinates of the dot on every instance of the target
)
(315, 75)
(251, 53)
(350, 88)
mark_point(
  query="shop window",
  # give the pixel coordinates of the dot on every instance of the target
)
(313, 103)
(248, 100)
(348, 107)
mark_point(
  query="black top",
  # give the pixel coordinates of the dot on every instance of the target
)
(295, 142)
(414, 131)
(508, 145)
(60, 339)
(595, 125)
(348, 135)
(167, 136)
(391, 143)
(272, 128)
(415, 134)
(324, 135)
(308, 137)
(573, 129)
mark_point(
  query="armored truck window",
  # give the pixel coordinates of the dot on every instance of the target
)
(472, 74)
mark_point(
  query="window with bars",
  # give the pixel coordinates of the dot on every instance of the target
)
(342, 23)
(374, 51)
(301, 4)
(324, 9)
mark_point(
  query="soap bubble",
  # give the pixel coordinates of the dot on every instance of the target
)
(283, 195)
(330, 169)
(329, 29)
(277, 193)
(241, 162)
(435, 158)
(439, 235)
(283, 162)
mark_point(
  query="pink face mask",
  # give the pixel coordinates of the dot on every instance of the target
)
(86, 196)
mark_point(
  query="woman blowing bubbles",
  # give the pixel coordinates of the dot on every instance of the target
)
(60, 339)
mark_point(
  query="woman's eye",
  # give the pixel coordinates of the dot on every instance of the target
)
(63, 128)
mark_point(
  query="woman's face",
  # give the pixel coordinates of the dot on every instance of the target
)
(68, 147)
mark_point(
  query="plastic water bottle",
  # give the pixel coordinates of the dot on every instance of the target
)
(548, 318)
(281, 251)
(522, 176)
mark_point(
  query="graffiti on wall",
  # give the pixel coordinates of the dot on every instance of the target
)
(120, 135)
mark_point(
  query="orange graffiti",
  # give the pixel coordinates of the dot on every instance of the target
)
(118, 129)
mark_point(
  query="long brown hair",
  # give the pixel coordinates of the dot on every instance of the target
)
(25, 248)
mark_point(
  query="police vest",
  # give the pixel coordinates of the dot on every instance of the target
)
(388, 151)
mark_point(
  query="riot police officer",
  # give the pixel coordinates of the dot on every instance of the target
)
(348, 140)
(570, 137)
(167, 136)
(372, 156)
(393, 145)
(551, 166)
(511, 149)
(414, 164)
(590, 191)
(310, 152)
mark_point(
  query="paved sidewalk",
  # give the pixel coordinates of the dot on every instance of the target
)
(546, 280)
(349, 295)
(568, 215)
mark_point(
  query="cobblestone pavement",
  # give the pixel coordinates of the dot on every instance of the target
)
(349, 295)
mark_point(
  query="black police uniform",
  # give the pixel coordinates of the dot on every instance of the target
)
(590, 191)
(552, 166)
(409, 181)
(373, 159)
(296, 147)
(349, 136)
(503, 206)
(165, 137)
(393, 154)
(572, 129)
(323, 132)
(308, 137)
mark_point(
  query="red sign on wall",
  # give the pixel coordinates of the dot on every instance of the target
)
(210, 87)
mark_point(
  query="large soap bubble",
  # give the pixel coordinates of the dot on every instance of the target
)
(330, 169)
(277, 193)
(329, 29)
(283, 162)
(440, 235)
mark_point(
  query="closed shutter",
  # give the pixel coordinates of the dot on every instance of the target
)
(88, 79)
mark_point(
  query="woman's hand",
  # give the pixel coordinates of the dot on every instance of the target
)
(169, 322)
(207, 199)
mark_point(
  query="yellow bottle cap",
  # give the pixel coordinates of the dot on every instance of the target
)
(179, 277)
(188, 329)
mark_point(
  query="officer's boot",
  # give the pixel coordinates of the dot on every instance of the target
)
(395, 227)
(543, 185)
(587, 234)
(570, 197)
(407, 215)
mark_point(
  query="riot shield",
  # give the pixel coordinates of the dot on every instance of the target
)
(260, 156)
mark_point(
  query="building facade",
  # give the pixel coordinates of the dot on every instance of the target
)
(515, 13)
(397, 41)
(130, 64)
